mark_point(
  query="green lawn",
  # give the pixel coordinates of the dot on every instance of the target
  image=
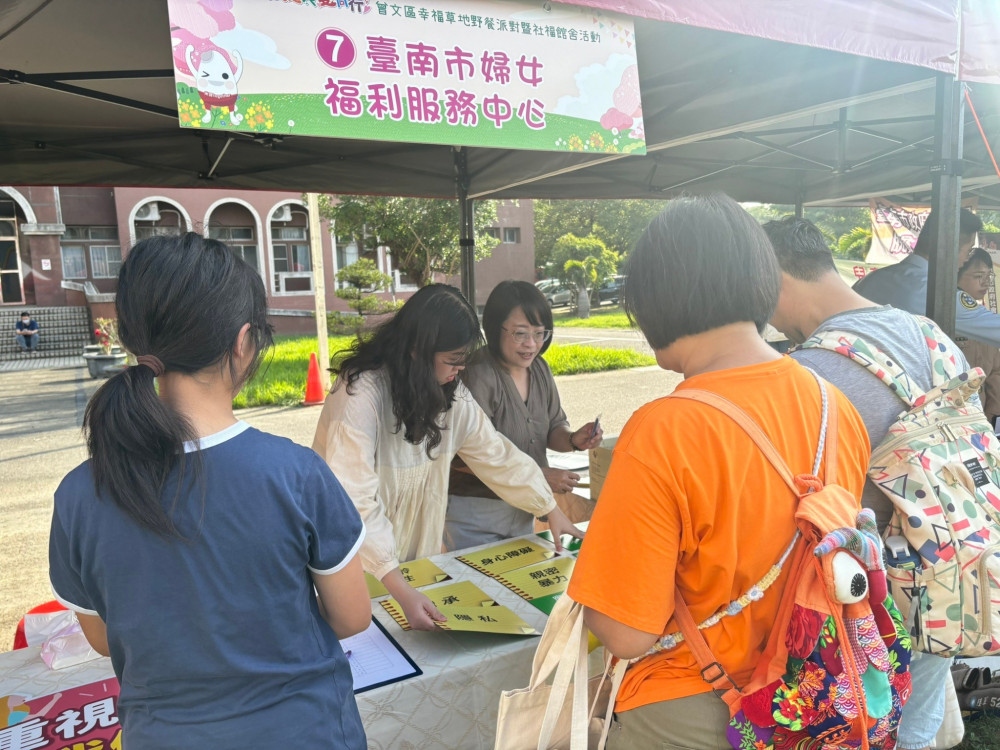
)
(981, 732)
(282, 379)
(605, 317)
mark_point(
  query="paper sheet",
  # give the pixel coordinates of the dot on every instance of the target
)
(544, 579)
(417, 573)
(578, 461)
(376, 659)
(459, 594)
(510, 555)
(485, 620)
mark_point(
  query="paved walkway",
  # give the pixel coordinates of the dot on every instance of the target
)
(40, 441)
(25, 362)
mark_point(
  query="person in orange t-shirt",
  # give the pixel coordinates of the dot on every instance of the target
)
(690, 504)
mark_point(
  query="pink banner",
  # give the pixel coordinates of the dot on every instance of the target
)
(84, 718)
(952, 36)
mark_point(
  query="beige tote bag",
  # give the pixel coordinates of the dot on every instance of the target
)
(571, 713)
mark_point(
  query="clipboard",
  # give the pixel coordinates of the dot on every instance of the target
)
(376, 659)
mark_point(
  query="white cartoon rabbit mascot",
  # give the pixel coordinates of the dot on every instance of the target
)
(217, 81)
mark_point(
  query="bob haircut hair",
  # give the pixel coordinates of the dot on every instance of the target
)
(701, 264)
(506, 297)
(168, 287)
(435, 319)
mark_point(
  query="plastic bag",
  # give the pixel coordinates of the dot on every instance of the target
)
(62, 639)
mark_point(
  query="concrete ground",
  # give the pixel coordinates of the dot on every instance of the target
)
(40, 441)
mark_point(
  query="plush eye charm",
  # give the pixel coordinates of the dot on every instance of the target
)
(850, 580)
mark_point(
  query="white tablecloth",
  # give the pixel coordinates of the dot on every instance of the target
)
(451, 706)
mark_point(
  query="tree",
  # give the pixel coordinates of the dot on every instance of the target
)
(584, 262)
(618, 223)
(421, 233)
(855, 244)
(364, 280)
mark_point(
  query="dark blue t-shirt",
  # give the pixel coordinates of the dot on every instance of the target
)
(27, 328)
(218, 641)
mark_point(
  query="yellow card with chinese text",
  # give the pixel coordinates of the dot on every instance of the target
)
(417, 573)
(459, 594)
(485, 620)
(543, 579)
(512, 554)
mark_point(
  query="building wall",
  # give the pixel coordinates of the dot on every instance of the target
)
(50, 210)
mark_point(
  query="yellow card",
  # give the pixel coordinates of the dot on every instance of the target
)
(485, 620)
(543, 579)
(459, 594)
(417, 573)
(513, 554)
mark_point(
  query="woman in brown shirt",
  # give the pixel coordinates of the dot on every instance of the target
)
(514, 386)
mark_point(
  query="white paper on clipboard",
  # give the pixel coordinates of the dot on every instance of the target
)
(575, 461)
(376, 659)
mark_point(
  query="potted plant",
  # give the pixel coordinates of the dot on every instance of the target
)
(105, 358)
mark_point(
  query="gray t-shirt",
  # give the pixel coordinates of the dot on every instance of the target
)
(898, 335)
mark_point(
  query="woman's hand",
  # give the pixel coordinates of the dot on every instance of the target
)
(560, 480)
(420, 611)
(559, 524)
(586, 438)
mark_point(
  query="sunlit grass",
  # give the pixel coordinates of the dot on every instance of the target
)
(610, 317)
(282, 379)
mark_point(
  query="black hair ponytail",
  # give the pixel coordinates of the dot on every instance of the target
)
(182, 300)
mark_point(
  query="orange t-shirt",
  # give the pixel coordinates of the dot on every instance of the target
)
(689, 499)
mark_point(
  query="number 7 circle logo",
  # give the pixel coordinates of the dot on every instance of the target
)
(336, 48)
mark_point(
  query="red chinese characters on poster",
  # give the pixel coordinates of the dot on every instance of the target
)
(84, 718)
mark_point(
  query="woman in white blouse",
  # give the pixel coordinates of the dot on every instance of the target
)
(393, 422)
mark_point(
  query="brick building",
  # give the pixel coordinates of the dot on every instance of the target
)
(62, 246)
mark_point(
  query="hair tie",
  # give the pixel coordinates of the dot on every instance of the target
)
(152, 362)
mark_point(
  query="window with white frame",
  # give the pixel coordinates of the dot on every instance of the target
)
(105, 260)
(74, 261)
(292, 262)
(511, 235)
(492, 232)
(240, 240)
(100, 243)
(145, 231)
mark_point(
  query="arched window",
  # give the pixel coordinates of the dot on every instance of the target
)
(291, 262)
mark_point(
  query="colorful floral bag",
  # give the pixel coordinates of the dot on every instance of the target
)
(939, 464)
(835, 669)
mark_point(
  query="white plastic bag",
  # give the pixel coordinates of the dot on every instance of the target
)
(62, 639)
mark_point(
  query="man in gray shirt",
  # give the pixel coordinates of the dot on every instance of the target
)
(815, 298)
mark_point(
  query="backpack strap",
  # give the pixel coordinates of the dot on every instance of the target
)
(944, 365)
(711, 670)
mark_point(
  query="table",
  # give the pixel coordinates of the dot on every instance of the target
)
(453, 704)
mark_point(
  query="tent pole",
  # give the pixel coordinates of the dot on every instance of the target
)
(319, 290)
(946, 200)
(467, 235)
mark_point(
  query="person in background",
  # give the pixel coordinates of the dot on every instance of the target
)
(690, 505)
(217, 565)
(26, 333)
(394, 420)
(974, 281)
(514, 386)
(814, 298)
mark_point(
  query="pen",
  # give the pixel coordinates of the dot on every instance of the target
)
(597, 426)
(348, 653)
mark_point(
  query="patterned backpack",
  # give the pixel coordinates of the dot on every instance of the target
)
(939, 464)
(835, 669)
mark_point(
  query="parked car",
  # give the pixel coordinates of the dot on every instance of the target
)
(559, 295)
(546, 284)
(611, 289)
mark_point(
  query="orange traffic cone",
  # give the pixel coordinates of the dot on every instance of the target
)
(314, 388)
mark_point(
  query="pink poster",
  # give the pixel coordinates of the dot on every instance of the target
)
(83, 718)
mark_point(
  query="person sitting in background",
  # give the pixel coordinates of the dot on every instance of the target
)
(26, 333)
(974, 280)
(394, 420)
(690, 504)
(514, 386)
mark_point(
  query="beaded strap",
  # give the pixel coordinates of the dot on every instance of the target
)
(753, 594)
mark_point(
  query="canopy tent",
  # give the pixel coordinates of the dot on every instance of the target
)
(90, 99)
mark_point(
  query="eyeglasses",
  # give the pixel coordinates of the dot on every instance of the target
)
(521, 337)
(987, 277)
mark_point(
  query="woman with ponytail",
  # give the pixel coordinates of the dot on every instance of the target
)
(191, 545)
(392, 424)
